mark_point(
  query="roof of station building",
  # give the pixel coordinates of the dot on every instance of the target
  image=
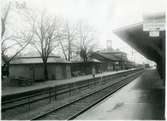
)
(37, 60)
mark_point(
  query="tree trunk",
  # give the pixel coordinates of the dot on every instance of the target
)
(7, 70)
(69, 49)
(45, 71)
(2, 27)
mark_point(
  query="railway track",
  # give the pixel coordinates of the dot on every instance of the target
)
(15, 101)
(15, 106)
(73, 109)
(48, 93)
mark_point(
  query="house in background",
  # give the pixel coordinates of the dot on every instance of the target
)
(106, 62)
(119, 57)
(32, 68)
(111, 60)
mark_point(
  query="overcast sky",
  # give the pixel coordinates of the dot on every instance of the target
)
(104, 15)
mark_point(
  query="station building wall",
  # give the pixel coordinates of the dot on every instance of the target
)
(35, 71)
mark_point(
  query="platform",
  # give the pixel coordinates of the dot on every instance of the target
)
(51, 83)
(143, 98)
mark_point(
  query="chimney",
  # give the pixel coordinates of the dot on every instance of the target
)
(109, 45)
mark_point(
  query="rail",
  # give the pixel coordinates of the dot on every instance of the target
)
(28, 98)
(94, 98)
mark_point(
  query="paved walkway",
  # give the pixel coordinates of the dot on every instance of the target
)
(144, 98)
(52, 83)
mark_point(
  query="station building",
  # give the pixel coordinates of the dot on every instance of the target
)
(32, 68)
(112, 60)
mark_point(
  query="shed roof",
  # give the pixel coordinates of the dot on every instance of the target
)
(105, 56)
(110, 56)
(37, 60)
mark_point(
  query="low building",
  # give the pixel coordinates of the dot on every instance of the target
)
(130, 64)
(79, 67)
(32, 68)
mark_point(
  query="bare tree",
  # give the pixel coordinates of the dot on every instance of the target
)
(67, 40)
(86, 37)
(19, 43)
(45, 38)
(4, 16)
(11, 41)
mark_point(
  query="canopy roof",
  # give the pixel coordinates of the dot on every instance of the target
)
(150, 47)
